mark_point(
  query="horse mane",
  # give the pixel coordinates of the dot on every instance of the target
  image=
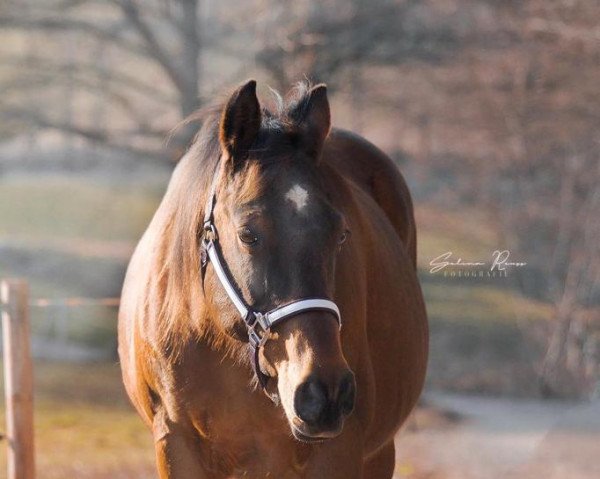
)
(178, 221)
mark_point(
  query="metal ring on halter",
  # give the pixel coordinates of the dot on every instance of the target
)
(210, 232)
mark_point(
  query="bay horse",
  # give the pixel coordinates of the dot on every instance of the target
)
(282, 260)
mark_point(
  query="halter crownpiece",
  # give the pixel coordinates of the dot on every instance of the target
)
(257, 323)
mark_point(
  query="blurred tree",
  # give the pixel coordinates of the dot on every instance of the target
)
(330, 40)
(542, 183)
(148, 70)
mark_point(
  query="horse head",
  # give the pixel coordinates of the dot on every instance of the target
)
(279, 236)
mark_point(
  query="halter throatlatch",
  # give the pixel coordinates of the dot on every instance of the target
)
(257, 323)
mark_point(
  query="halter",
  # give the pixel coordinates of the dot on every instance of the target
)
(257, 323)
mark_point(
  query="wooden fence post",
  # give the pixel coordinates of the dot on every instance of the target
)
(18, 379)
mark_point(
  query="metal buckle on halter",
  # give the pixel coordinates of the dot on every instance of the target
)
(210, 232)
(258, 336)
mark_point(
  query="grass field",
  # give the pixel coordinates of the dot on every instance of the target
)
(72, 207)
(84, 425)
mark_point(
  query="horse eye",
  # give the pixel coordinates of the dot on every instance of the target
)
(247, 236)
(344, 237)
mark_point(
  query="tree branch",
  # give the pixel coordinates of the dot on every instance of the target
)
(561, 29)
(154, 47)
(58, 68)
(102, 137)
(110, 35)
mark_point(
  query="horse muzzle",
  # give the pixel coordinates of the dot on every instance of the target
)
(321, 408)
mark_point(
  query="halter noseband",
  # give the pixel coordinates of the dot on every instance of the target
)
(257, 323)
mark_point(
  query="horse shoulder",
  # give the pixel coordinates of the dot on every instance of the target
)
(137, 313)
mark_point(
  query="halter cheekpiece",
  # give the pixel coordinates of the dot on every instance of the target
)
(257, 323)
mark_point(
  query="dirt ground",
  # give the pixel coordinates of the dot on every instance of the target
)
(467, 437)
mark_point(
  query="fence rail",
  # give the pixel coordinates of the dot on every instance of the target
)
(75, 301)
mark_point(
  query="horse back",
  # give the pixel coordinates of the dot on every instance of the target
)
(357, 159)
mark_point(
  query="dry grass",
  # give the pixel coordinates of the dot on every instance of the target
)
(84, 425)
(62, 207)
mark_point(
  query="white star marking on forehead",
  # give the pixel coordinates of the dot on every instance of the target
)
(298, 196)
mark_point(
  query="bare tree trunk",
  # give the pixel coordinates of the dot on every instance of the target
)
(190, 25)
(554, 378)
(68, 92)
(189, 90)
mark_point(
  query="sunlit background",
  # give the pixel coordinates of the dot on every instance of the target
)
(490, 109)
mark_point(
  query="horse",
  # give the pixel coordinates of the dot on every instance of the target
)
(272, 322)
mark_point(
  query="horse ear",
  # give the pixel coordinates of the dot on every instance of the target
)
(240, 122)
(314, 119)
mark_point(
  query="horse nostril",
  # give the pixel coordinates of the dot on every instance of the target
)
(347, 394)
(310, 401)
(316, 407)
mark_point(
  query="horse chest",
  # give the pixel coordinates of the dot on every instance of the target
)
(241, 431)
(248, 443)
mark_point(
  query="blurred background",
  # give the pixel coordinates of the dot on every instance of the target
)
(489, 107)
